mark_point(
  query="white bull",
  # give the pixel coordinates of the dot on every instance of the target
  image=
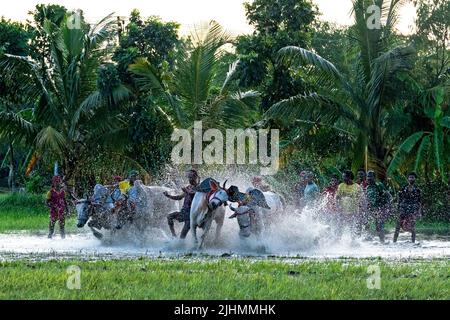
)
(152, 207)
(276, 204)
(208, 207)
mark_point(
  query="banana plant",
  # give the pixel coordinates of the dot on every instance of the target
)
(427, 151)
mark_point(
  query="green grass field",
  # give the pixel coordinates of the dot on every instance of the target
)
(225, 279)
(214, 278)
(20, 212)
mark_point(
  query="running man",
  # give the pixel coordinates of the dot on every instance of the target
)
(378, 199)
(409, 207)
(184, 215)
(311, 192)
(349, 197)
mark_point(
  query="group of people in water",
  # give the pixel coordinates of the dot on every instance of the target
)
(353, 204)
(356, 204)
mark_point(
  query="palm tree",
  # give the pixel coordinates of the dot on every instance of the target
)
(190, 93)
(358, 101)
(68, 116)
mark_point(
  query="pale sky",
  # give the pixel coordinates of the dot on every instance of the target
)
(229, 13)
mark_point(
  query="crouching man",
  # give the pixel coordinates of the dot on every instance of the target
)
(248, 214)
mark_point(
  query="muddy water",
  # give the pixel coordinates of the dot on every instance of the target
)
(295, 237)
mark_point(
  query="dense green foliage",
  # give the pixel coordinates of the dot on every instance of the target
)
(101, 99)
(277, 24)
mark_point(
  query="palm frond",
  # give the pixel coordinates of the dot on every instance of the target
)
(311, 107)
(102, 31)
(384, 68)
(230, 74)
(445, 122)
(13, 124)
(325, 70)
(196, 70)
(49, 140)
(148, 79)
(87, 108)
(31, 81)
(290, 54)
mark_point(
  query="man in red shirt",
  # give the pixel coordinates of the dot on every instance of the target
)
(330, 194)
(56, 201)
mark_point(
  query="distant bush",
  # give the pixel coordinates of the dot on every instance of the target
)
(36, 184)
(436, 201)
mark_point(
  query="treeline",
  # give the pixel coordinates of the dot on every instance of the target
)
(103, 98)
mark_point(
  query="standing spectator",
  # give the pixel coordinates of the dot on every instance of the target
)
(448, 196)
(56, 201)
(409, 207)
(361, 179)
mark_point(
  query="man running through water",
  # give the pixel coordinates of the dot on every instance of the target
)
(299, 189)
(378, 199)
(184, 215)
(361, 178)
(409, 207)
(349, 199)
(329, 194)
(311, 192)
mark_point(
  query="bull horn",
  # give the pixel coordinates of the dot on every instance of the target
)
(224, 184)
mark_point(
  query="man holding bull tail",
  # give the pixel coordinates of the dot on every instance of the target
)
(188, 195)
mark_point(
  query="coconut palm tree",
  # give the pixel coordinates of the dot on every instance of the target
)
(68, 116)
(190, 92)
(360, 100)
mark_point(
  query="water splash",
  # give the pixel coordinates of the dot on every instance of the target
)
(309, 233)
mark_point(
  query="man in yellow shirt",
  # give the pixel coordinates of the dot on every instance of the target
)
(126, 185)
(349, 197)
(124, 207)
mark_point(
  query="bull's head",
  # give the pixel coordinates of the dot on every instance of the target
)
(82, 207)
(219, 195)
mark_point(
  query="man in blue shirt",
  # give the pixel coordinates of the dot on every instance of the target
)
(311, 192)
